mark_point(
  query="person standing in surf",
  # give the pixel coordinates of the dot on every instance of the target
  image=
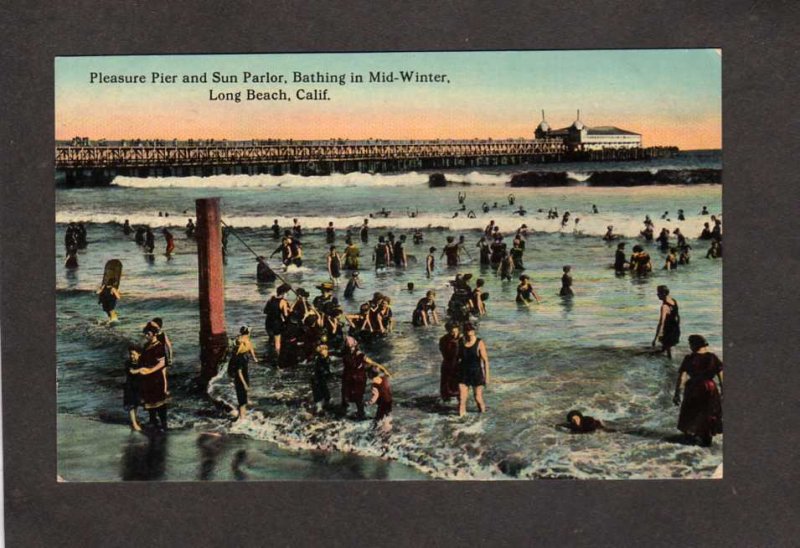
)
(354, 376)
(566, 282)
(351, 255)
(131, 398)
(506, 267)
(149, 241)
(352, 284)
(381, 393)
(170, 241)
(364, 232)
(241, 354)
(668, 330)
(473, 370)
(620, 262)
(451, 251)
(190, 228)
(319, 378)
(399, 252)
(430, 262)
(334, 265)
(525, 292)
(152, 368)
(107, 296)
(277, 310)
(330, 233)
(449, 373)
(126, 228)
(701, 409)
(381, 254)
(484, 251)
(478, 297)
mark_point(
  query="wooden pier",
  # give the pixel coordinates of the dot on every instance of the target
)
(99, 163)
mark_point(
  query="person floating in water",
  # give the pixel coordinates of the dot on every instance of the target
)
(190, 228)
(473, 370)
(566, 282)
(701, 409)
(381, 393)
(715, 251)
(153, 385)
(264, 274)
(170, 241)
(609, 235)
(131, 399)
(430, 262)
(126, 227)
(334, 265)
(107, 296)
(578, 423)
(668, 330)
(525, 292)
(352, 284)
(241, 354)
(665, 215)
(620, 264)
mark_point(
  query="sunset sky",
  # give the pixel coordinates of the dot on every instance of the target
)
(671, 97)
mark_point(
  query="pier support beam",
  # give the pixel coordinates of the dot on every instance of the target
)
(213, 337)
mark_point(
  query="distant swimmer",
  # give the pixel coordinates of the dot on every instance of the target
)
(520, 211)
(364, 232)
(381, 254)
(594, 209)
(430, 262)
(609, 235)
(706, 233)
(351, 256)
(704, 211)
(330, 233)
(663, 239)
(264, 274)
(681, 216)
(413, 214)
(418, 237)
(511, 199)
(126, 228)
(352, 285)
(297, 230)
(190, 228)
(485, 207)
(565, 219)
(640, 262)
(668, 331)
(716, 232)
(383, 212)
(334, 261)
(494, 205)
(647, 233)
(580, 424)
(473, 370)
(149, 241)
(665, 215)
(671, 261)
(525, 292)
(107, 296)
(276, 229)
(471, 214)
(715, 251)
(451, 251)
(620, 262)
(454, 215)
(566, 282)
(461, 197)
(648, 221)
(170, 241)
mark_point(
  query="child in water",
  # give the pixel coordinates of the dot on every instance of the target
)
(243, 352)
(130, 398)
(320, 376)
(352, 284)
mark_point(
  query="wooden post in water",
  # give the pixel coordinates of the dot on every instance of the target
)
(213, 338)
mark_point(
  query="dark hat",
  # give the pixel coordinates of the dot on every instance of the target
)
(244, 330)
(284, 288)
(302, 292)
(468, 327)
(325, 286)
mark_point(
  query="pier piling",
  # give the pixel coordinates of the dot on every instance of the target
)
(213, 337)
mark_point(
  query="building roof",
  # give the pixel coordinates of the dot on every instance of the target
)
(609, 130)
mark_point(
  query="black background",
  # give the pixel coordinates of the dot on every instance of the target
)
(755, 505)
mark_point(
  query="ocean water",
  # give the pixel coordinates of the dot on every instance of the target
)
(588, 352)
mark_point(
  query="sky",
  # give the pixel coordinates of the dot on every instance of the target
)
(671, 97)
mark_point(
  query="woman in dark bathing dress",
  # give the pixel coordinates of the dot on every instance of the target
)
(669, 322)
(448, 347)
(473, 370)
(701, 410)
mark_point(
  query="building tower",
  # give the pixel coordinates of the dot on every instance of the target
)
(543, 129)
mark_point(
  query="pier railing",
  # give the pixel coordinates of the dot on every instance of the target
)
(224, 154)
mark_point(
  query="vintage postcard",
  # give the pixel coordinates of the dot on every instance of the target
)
(402, 266)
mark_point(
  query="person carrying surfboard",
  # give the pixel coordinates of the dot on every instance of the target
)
(107, 296)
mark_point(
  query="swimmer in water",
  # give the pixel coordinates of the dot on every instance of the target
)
(671, 262)
(681, 216)
(461, 197)
(276, 229)
(506, 267)
(330, 233)
(668, 331)
(706, 233)
(364, 232)
(485, 207)
(566, 283)
(620, 264)
(190, 228)
(126, 227)
(352, 284)
(580, 424)
(609, 235)
(334, 265)
(521, 211)
(705, 211)
(715, 251)
(594, 209)
(663, 239)
(525, 292)
(511, 199)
